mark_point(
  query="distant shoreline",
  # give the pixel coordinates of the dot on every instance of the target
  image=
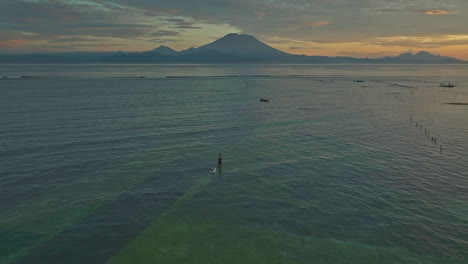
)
(228, 63)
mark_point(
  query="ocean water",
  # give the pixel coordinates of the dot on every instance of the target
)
(111, 164)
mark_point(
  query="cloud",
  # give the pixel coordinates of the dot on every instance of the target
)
(261, 14)
(163, 33)
(320, 23)
(179, 23)
(100, 45)
(437, 12)
(75, 39)
(296, 48)
(422, 42)
(185, 25)
(280, 40)
(389, 10)
(52, 19)
(378, 54)
(28, 33)
(12, 43)
(160, 40)
(190, 23)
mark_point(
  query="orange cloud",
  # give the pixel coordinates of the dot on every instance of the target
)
(12, 43)
(436, 12)
(320, 23)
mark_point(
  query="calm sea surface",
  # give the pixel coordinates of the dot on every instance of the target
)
(98, 165)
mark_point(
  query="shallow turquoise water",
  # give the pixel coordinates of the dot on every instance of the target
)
(89, 161)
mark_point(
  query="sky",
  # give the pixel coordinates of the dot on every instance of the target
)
(358, 28)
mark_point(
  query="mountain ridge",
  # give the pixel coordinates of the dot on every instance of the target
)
(232, 48)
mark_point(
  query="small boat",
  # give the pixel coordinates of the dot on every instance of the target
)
(359, 81)
(448, 85)
(264, 100)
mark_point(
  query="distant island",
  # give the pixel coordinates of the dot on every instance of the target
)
(232, 48)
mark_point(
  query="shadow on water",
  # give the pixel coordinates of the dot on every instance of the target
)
(102, 234)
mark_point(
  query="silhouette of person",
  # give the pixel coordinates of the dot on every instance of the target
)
(220, 160)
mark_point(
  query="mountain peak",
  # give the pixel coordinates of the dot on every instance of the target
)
(240, 36)
(424, 53)
(241, 45)
(164, 50)
(231, 35)
(235, 37)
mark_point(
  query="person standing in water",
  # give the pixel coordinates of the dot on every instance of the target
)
(220, 160)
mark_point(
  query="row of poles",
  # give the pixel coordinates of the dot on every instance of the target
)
(427, 133)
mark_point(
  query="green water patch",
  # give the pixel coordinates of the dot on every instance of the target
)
(53, 212)
(12, 242)
(40, 216)
(192, 240)
(110, 226)
(40, 229)
(322, 204)
(121, 217)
